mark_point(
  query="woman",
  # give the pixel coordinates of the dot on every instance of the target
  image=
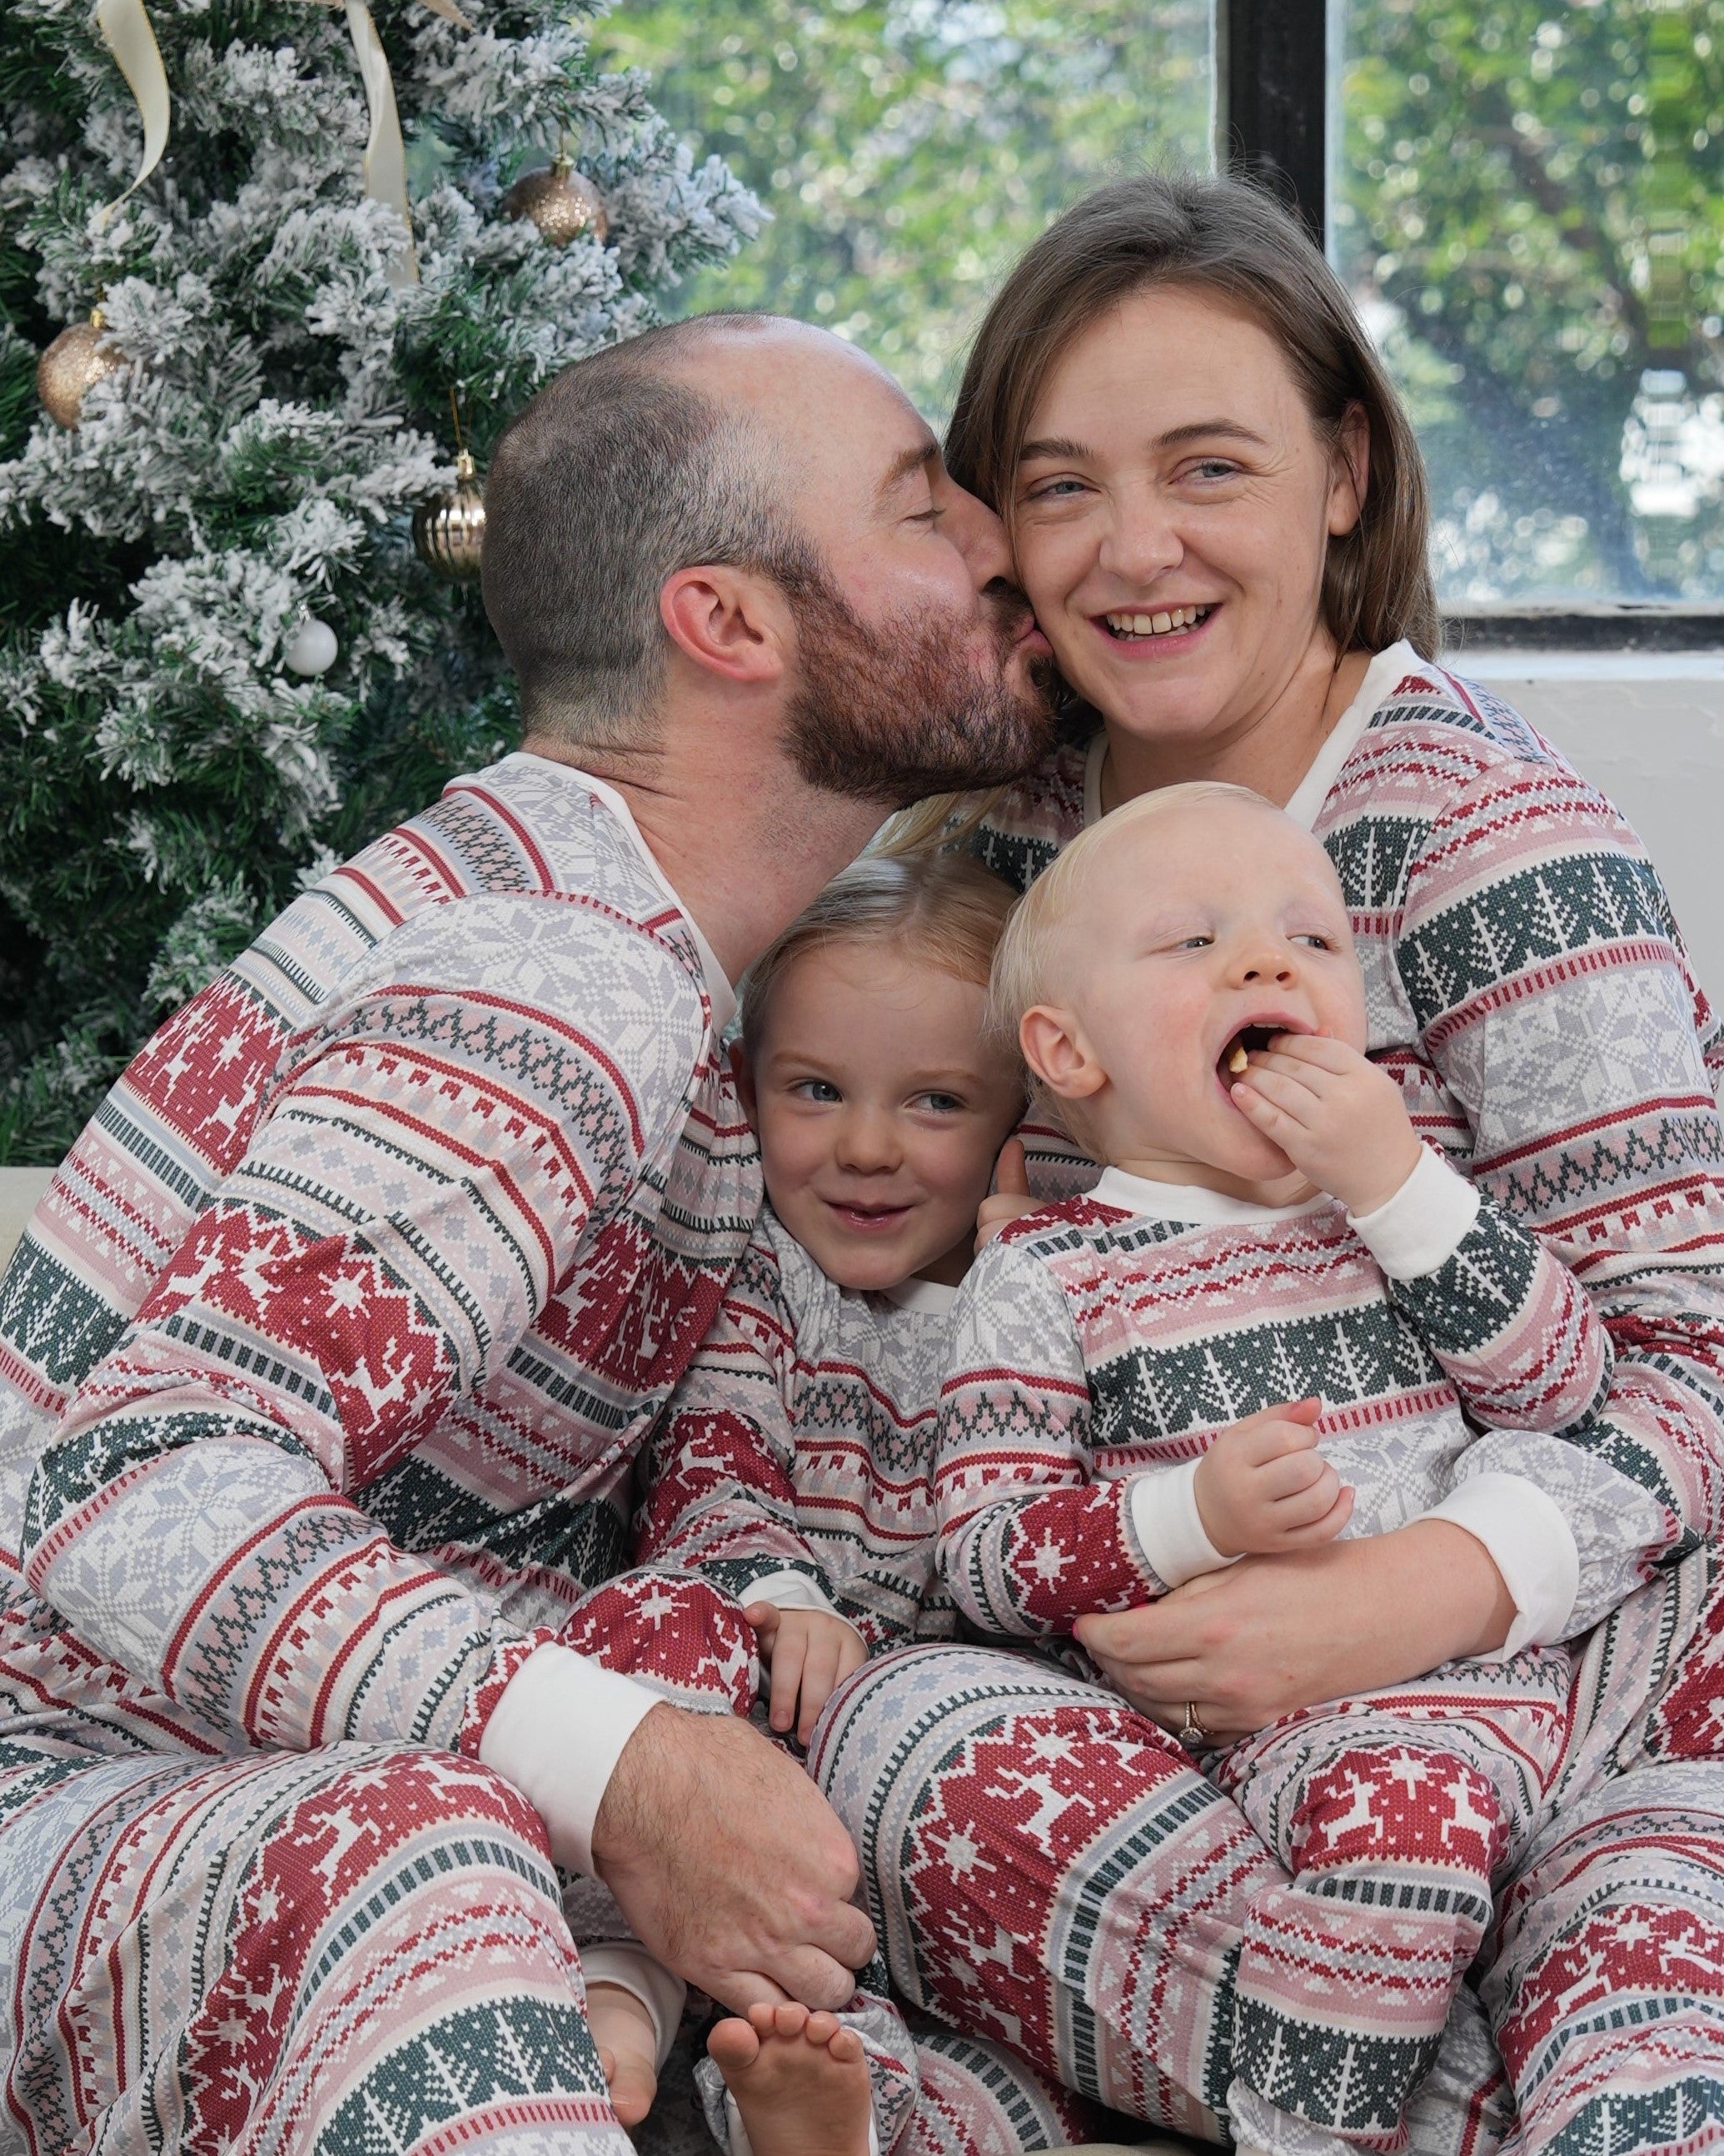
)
(1219, 516)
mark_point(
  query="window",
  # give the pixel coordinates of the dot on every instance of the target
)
(910, 149)
(1526, 204)
(1526, 197)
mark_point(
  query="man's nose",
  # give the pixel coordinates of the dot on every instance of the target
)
(978, 535)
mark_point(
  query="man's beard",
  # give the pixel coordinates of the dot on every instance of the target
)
(892, 711)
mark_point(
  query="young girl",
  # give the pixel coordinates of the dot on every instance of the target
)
(793, 1467)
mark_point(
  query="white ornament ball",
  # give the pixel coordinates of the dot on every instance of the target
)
(311, 648)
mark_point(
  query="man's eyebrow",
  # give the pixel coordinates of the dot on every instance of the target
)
(1059, 446)
(905, 465)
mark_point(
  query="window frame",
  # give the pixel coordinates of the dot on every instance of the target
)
(1274, 116)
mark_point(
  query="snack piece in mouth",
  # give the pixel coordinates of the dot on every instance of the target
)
(1239, 1049)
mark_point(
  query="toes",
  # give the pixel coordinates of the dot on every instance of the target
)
(821, 2027)
(733, 2045)
(790, 2017)
(607, 2064)
(846, 2047)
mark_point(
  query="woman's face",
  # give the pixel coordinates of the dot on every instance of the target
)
(1172, 507)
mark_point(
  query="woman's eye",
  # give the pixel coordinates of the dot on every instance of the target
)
(1055, 490)
(1212, 469)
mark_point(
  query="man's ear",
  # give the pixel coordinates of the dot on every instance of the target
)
(728, 622)
(1352, 469)
(743, 1072)
(1056, 1050)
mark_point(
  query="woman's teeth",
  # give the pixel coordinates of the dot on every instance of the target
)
(1157, 625)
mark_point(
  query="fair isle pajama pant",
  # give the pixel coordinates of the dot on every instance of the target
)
(356, 1951)
(1046, 1868)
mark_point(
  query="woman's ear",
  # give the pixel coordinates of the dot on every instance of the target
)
(1056, 1050)
(1350, 474)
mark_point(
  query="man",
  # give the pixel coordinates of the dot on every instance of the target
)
(325, 1358)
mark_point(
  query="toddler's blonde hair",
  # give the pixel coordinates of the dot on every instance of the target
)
(1025, 960)
(944, 908)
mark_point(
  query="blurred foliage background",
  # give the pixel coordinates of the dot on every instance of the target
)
(1528, 201)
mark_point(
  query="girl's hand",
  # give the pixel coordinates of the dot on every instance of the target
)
(810, 1652)
(1010, 1199)
(1271, 1635)
(1339, 1119)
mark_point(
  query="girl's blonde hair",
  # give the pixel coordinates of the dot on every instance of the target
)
(1025, 962)
(944, 908)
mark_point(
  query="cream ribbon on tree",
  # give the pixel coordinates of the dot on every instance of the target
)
(125, 28)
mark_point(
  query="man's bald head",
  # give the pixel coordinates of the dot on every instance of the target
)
(648, 458)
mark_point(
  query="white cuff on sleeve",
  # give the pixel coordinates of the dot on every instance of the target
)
(1169, 1527)
(1531, 1544)
(626, 1963)
(1424, 1224)
(557, 1733)
(787, 1590)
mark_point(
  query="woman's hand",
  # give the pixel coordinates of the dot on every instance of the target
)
(1270, 1635)
(1010, 1199)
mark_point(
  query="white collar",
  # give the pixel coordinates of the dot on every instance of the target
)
(720, 995)
(934, 1296)
(1385, 670)
(1189, 1203)
(1381, 675)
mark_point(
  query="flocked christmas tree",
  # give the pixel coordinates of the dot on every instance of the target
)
(232, 507)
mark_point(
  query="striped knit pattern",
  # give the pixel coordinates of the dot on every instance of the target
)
(1090, 1345)
(323, 1365)
(355, 1301)
(1528, 986)
(800, 1440)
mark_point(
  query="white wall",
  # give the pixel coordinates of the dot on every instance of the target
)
(1649, 732)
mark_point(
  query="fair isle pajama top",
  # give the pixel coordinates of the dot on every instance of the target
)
(324, 1360)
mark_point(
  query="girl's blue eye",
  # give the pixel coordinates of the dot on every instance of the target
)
(816, 1089)
(942, 1104)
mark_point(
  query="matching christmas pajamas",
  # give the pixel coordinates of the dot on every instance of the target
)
(323, 1367)
(795, 1465)
(1045, 1866)
(1097, 1348)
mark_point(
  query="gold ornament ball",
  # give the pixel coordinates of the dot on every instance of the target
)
(72, 366)
(562, 202)
(448, 530)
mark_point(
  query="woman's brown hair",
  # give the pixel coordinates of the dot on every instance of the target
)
(1231, 238)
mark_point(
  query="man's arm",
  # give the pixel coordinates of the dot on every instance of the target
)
(424, 1175)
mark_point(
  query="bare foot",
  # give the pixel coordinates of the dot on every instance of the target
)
(628, 2049)
(800, 2081)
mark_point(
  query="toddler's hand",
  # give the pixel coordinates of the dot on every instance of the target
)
(1337, 1117)
(809, 1652)
(1009, 1199)
(1262, 1486)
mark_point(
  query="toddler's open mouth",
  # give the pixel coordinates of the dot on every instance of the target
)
(1230, 1065)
